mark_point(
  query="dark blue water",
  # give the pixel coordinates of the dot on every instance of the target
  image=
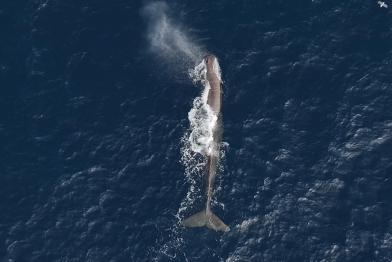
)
(92, 118)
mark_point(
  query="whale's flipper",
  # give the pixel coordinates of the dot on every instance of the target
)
(202, 219)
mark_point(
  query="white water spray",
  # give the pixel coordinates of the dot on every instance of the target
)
(201, 117)
(168, 39)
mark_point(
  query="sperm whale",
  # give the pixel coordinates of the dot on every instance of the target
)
(214, 101)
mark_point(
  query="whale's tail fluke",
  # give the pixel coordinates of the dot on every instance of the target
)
(208, 219)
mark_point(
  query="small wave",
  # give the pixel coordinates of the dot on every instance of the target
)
(244, 226)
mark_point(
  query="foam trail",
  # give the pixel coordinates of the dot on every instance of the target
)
(167, 39)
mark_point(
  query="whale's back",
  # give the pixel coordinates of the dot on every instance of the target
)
(213, 78)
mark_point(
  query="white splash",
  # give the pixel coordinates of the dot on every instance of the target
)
(202, 120)
(201, 117)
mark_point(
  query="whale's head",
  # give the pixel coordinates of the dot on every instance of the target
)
(209, 59)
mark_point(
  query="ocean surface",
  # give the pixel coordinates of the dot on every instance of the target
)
(96, 160)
